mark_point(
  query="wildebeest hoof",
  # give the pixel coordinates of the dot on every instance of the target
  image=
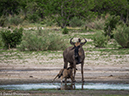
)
(78, 62)
(83, 81)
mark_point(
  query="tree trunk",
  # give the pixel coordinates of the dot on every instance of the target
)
(127, 21)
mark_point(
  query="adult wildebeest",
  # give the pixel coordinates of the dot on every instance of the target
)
(75, 55)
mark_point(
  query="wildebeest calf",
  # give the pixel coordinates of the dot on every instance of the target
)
(65, 73)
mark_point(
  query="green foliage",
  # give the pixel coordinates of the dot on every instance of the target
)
(41, 40)
(11, 39)
(97, 24)
(1, 42)
(33, 18)
(62, 11)
(2, 21)
(56, 43)
(9, 7)
(14, 20)
(121, 35)
(110, 25)
(100, 40)
(76, 22)
(65, 31)
(48, 21)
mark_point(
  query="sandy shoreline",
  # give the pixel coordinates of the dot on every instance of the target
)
(45, 74)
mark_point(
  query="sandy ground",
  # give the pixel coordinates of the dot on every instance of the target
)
(20, 67)
(12, 74)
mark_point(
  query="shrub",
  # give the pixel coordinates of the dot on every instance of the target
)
(33, 42)
(56, 43)
(49, 21)
(2, 21)
(65, 31)
(99, 24)
(14, 20)
(96, 24)
(11, 39)
(76, 22)
(100, 40)
(33, 18)
(41, 40)
(121, 35)
(110, 25)
(1, 43)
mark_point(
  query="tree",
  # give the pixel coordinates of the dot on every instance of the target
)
(113, 7)
(63, 10)
(9, 7)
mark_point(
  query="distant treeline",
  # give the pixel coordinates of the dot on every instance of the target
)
(64, 10)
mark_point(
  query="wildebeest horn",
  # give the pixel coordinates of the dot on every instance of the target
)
(84, 42)
(72, 43)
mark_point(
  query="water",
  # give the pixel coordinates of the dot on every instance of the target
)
(96, 86)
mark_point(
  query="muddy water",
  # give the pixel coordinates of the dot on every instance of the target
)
(58, 86)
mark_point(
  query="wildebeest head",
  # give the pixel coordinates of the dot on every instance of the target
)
(77, 45)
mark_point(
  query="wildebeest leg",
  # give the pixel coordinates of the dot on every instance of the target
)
(72, 66)
(82, 85)
(82, 71)
(61, 80)
(65, 64)
(73, 86)
(74, 69)
(71, 78)
(55, 77)
(59, 74)
(65, 81)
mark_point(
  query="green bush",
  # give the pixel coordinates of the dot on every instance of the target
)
(41, 40)
(100, 40)
(76, 22)
(14, 20)
(49, 21)
(1, 42)
(110, 25)
(2, 21)
(33, 42)
(121, 35)
(33, 18)
(56, 43)
(65, 31)
(11, 39)
(97, 24)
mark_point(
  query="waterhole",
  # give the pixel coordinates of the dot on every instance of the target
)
(69, 86)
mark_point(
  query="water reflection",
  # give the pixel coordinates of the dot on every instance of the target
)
(69, 86)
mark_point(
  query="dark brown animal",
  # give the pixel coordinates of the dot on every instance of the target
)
(65, 73)
(75, 55)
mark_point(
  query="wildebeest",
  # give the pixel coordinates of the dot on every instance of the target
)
(75, 55)
(65, 73)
